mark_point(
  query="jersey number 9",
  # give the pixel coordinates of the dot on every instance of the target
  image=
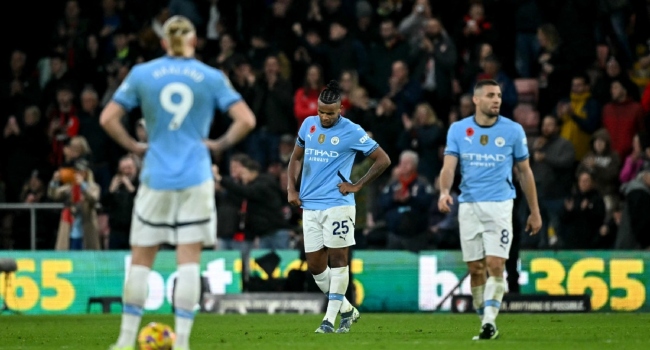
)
(179, 108)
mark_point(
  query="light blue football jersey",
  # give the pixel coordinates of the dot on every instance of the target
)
(329, 156)
(178, 97)
(486, 156)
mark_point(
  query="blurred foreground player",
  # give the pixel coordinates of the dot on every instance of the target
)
(486, 146)
(325, 150)
(175, 202)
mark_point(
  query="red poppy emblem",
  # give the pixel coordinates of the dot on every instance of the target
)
(312, 129)
(469, 132)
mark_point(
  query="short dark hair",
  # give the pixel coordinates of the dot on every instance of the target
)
(485, 82)
(582, 75)
(252, 165)
(331, 94)
(239, 158)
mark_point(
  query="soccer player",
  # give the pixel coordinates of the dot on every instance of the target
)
(487, 145)
(325, 150)
(175, 203)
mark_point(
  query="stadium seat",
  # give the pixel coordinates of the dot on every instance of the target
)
(526, 115)
(106, 303)
(527, 90)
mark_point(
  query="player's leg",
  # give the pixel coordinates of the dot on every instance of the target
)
(149, 228)
(478, 278)
(497, 240)
(196, 221)
(187, 293)
(471, 243)
(135, 294)
(338, 236)
(316, 254)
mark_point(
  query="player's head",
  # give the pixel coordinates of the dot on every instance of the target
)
(487, 98)
(180, 36)
(329, 104)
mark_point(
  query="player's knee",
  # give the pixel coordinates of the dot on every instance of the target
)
(338, 257)
(477, 268)
(317, 262)
(495, 266)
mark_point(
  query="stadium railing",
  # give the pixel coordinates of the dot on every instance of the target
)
(32, 207)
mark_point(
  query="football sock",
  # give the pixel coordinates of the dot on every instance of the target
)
(494, 289)
(135, 295)
(186, 296)
(477, 300)
(339, 279)
(323, 282)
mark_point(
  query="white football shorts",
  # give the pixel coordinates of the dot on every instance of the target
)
(332, 228)
(174, 216)
(485, 229)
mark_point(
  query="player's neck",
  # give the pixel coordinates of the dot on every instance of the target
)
(485, 121)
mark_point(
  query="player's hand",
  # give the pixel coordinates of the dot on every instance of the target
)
(346, 187)
(445, 202)
(294, 198)
(534, 223)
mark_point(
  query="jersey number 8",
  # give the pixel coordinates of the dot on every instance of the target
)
(180, 108)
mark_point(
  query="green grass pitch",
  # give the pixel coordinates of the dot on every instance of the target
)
(374, 331)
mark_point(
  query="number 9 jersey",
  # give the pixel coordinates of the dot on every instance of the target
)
(178, 97)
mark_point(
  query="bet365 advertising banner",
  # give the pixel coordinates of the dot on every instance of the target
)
(61, 282)
(392, 281)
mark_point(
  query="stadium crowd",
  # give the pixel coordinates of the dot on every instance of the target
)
(574, 73)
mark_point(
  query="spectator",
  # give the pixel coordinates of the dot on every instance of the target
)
(622, 117)
(603, 164)
(635, 161)
(492, 70)
(580, 115)
(359, 111)
(554, 69)
(78, 228)
(118, 204)
(634, 232)
(230, 222)
(305, 100)
(583, 215)
(435, 67)
(389, 49)
(24, 148)
(404, 203)
(551, 161)
(424, 134)
(264, 221)
(101, 146)
(344, 52)
(272, 106)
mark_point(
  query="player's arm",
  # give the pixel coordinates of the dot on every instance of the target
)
(243, 122)
(446, 181)
(380, 163)
(527, 181)
(293, 172)
(110, 120)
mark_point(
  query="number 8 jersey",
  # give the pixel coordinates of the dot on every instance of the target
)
(178, 97)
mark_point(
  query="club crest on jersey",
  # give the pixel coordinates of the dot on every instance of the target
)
(484, 140)
(500, 141)
(321, 138)
(335, 140)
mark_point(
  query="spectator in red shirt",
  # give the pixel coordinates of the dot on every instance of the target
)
(622, 117)
(64, 124)
(305, 100)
